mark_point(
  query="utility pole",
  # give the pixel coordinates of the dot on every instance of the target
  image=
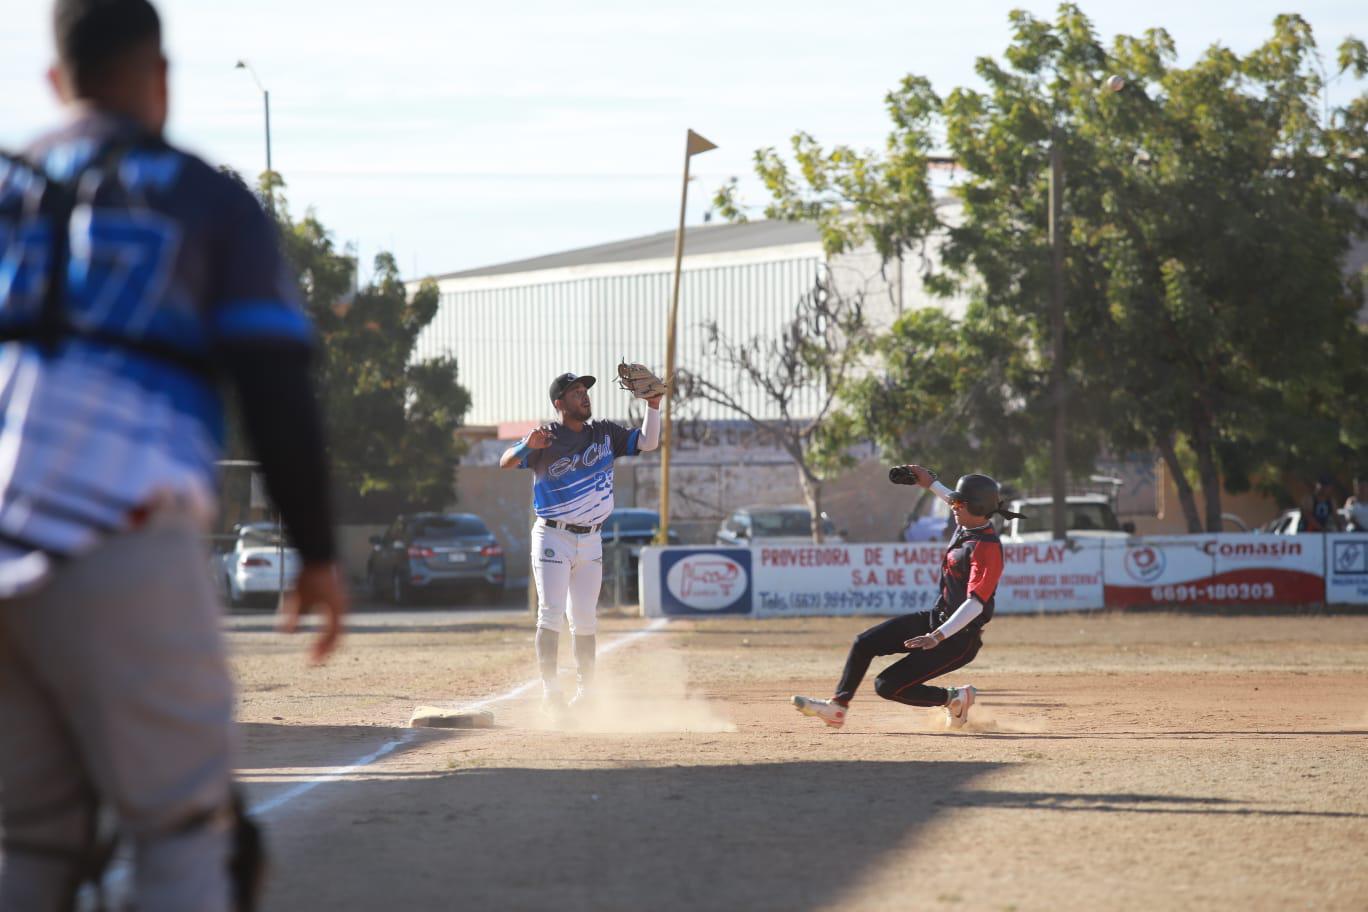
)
(693, 145)
(1058, 459)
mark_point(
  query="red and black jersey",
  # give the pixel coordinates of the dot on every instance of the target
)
(972, 566)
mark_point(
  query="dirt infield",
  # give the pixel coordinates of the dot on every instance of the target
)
(1116, 761)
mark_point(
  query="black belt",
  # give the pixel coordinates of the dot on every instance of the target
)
(571, 527)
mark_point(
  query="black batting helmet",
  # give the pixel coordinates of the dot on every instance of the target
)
(979, 493)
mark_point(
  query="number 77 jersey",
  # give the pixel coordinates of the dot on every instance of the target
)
(127, 268)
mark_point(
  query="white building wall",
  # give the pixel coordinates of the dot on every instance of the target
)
(511, 334)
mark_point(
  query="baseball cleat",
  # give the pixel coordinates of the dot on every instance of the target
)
(553, 707)
(829, 711)
(957, 708)
(583, 699)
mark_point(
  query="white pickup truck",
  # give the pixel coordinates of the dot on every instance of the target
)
(1086, 516)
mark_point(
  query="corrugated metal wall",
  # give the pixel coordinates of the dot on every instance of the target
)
(509, 342)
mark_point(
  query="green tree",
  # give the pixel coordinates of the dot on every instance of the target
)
(391, 419)
(1208, 212)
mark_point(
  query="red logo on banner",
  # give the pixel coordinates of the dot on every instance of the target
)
(1145, 564)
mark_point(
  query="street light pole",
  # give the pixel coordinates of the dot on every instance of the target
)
(266, 101)
(693, 145)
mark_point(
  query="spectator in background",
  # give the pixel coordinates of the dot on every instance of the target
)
(1323, 517)
(1355, 511)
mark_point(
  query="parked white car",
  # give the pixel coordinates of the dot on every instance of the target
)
(251, 570)
(780, 525)
(1086, 516)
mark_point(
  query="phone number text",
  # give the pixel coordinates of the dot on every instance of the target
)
(1215, 592)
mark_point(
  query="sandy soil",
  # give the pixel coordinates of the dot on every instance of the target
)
(1115, 761)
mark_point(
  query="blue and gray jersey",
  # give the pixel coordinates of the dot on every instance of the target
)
(168, 264)
(574, 475)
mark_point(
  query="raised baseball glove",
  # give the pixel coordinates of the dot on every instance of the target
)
(903, 475)
(640, 381)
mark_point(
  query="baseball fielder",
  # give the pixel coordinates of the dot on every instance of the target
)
(950, 635)
(133, 279)
(572, 494)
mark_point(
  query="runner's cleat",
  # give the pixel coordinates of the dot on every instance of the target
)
(957, 708)
(829, 711)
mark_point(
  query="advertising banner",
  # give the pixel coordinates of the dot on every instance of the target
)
(1151, 571)
(794, 580)
(798, 580)
(1050, 576)
(1286, 569)
(694, 581)
(1215, 569)
(1346, 569)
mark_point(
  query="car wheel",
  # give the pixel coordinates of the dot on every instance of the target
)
(235, 599)
(399, 591)
(491, 593)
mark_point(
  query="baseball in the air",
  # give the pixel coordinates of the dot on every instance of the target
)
(1115, 83)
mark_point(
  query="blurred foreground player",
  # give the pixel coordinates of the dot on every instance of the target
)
(950, 634)
(133, 279)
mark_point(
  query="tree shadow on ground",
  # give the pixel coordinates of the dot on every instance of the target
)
(788, 836)
(1128, 803)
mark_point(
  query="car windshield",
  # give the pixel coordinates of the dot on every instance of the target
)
(449, 527)
(1080, 518)
(625, 521)
(259, 537)
(780, 523)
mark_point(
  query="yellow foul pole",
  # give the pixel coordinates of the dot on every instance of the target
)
(694, 145)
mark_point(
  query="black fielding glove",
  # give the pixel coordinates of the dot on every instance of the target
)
(902, 475)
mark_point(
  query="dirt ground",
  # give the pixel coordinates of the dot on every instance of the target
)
(1114, 761)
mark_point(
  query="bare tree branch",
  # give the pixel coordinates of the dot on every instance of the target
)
(808, 361)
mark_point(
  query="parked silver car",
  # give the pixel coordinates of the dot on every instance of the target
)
(435, 552)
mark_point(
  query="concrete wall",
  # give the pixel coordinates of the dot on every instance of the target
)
(503, 498)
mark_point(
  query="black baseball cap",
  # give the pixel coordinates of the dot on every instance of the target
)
(565, 381)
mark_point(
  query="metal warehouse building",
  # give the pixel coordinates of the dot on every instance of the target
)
(514, 326)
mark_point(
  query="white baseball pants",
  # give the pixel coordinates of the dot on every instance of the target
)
(568, 568)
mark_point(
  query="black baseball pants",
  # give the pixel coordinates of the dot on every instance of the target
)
(904, 680)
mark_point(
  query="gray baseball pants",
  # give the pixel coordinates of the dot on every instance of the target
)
(114, 687)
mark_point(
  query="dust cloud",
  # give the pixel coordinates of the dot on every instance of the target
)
(650, 695)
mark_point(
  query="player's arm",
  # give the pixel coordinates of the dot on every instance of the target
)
(985, 569)
(649, 439)
(264, 343)
(515, 457)
(283, 424)
(922, 476)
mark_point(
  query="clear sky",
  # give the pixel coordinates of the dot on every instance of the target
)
(462, 134)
